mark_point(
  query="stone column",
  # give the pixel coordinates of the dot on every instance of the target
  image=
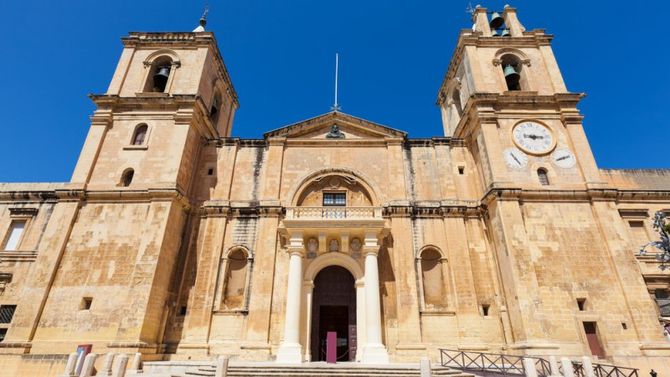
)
(89, 363)
(374, 351)
(553, 365)
(221, 366)
(309, 290)
(529, 367)
(70, 366)
(107, 364)
(360, 317)
(121, 364)
(290, 349)
(587, 366)
(568, 370)
(136, 365)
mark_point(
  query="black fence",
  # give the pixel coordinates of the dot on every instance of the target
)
(511, 365)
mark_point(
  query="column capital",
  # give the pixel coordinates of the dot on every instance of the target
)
(299, 251)
(370, 251)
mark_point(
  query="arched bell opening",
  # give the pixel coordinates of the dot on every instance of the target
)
(159, 74)
(334, 310)
(515, 77)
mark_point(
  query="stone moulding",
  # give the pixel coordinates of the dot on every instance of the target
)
(17, 256)
(130, 345)
(22, 212)
(586, 195)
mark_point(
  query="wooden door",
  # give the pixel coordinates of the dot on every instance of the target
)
(591, 331)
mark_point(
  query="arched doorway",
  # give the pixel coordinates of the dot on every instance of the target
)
(334, 309)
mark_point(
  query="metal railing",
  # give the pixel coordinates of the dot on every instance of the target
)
(604, 370)
(511, 365)
(335, 213)
(485, 362)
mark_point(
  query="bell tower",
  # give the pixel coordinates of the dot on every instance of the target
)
(170, 93)
(505, 96)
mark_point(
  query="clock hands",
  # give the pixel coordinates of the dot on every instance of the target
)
(563, 158)
(516, 159)
(532, 136)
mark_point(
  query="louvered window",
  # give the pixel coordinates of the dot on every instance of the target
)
(543, 177)
(6, 313)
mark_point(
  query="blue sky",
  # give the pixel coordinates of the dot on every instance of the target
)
(280, 53)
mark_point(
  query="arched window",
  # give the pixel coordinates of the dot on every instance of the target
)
(127, 177)
(433, 280)
(216, 108)
(235, 279)
(140, 134)
(159, 75)
(543, 176)
(512, 70)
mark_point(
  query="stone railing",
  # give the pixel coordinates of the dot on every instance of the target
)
(333, 213)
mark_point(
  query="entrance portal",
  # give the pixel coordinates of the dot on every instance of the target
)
(334, 309)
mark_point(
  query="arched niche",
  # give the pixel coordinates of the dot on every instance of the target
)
(359, 192)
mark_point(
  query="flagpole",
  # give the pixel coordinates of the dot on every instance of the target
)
(336, 106)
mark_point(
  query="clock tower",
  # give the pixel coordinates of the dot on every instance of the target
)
(504, 98)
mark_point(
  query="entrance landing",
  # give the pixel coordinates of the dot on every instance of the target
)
(317, 369)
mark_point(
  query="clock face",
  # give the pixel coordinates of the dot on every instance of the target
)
(515, 159)
(533, 138)
(563, 158)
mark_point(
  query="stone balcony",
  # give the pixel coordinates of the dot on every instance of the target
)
(333, 213)
(306, 218)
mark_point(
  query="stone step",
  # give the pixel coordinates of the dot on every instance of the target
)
(322, 371)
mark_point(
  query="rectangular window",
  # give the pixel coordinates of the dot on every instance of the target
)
(3, 332)
(334, 198)
(581, 304)
(7, 313)
(86, 303)
(14, 235)
(639, 233)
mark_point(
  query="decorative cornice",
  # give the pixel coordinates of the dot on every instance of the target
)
(17, 256)
(22, 212)
(29, 196)
(484, 107)
(427, 209)
(143, 100)
(225, 208)
(587, 195)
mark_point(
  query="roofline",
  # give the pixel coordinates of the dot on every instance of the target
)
(334, 112)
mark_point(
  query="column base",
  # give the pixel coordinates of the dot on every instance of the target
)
(289, 353)
(375, 354)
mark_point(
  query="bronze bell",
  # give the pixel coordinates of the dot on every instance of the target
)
(161, 77)
(496, 20)
(505, 33)
(511, 75)
(494, 33)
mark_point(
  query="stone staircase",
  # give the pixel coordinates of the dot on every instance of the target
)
(321, 370)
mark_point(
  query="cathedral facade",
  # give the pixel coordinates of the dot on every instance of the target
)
(177, 240)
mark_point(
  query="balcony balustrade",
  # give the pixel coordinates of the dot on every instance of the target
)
(333, 213)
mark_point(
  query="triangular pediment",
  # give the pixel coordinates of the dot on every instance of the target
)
(336, 125)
